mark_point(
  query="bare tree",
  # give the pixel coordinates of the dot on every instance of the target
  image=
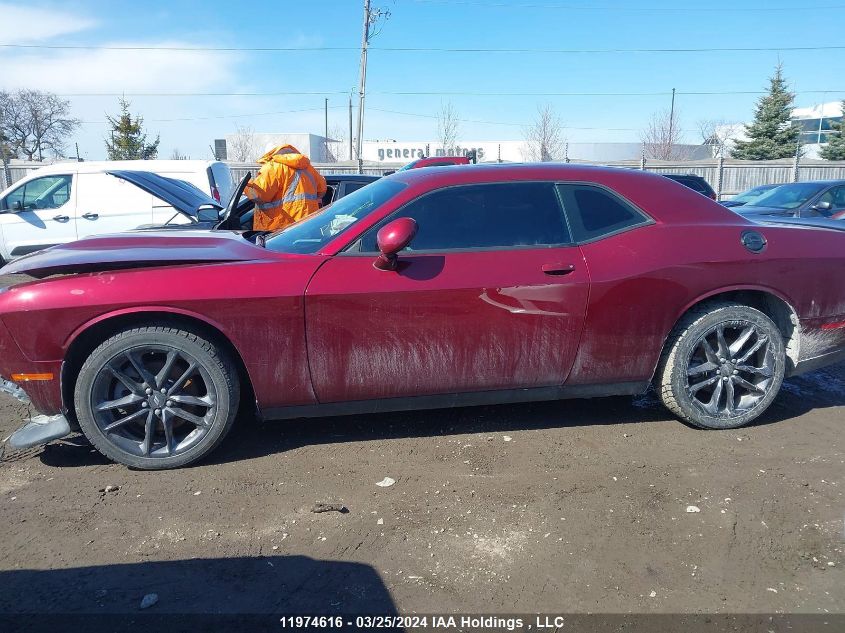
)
(335, 144)
(177, 155)
(544, 139)
(661, 136)
(448, 127)
(244, 145)
(35, 122)
(718, 133)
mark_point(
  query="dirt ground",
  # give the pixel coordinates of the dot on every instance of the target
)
(574, 506)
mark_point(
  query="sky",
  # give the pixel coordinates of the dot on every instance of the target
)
(178, 92)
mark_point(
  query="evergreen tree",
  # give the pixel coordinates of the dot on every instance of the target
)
(835, 149)
(772, 134)
(128, 140)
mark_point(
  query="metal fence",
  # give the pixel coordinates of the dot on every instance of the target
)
(730, 177)
(727, 176)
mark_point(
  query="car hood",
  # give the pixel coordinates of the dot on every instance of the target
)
(137, 250)
(182, 196)
(813, 223)
(747, 209)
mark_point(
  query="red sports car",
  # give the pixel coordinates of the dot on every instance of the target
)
(430, 288)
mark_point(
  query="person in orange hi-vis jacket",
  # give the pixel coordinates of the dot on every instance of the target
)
(286, 189)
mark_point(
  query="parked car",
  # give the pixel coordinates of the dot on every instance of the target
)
(340, 185)
(821, 198)
(68, 201)
(747, 196)
(696, 183)
(429, 288)
(436, 161)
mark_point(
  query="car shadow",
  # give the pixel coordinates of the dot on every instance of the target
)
(232, 594)
(249, 439)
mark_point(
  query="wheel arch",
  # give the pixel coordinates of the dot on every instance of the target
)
(88, 336)
(768, 301)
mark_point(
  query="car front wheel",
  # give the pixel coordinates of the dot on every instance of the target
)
(156, 397)
(722, 366)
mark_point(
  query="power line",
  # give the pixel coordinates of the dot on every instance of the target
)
(422, 49)
(616, 9)
(225, 116)
(440, 93)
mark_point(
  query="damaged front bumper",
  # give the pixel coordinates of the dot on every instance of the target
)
(40, 429)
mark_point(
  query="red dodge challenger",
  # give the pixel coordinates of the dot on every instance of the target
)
(430, 288)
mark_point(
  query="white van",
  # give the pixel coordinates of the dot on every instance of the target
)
(68, 201)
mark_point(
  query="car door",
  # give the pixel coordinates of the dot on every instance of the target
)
(37, 214)
(490, 295)
(107, 204)
(835, 204)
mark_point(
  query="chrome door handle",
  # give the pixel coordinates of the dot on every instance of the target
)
(90, 216)
(61, 218)
(558, 269)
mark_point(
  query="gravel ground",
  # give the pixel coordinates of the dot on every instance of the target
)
(605, 506)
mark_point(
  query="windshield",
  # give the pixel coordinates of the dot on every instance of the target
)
(310, 234)
(752, 194)
(788, 196)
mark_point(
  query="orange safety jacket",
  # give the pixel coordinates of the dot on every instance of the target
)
(286, 189)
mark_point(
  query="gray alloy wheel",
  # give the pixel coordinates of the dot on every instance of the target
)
(722, 366)
(156, 397)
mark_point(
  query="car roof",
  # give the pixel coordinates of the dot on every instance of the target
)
(96, 166)
(350, 177)
(662, 198)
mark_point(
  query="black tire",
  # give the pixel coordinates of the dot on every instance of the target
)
(139, 382)
(694, 391)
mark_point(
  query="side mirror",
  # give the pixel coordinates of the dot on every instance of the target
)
(392, 238)
(17, 205)
(823, 206)
(208, 215)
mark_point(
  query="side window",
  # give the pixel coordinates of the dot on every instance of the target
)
(49, 192)
(594, 212)
(496, 215)
(836, 198)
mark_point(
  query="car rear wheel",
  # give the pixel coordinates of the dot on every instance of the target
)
(722, 366)
(156, 397)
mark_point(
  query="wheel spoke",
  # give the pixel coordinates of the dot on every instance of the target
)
(145, 375)
(132, 398)
(204, 401)
(701, 385)
(189, 417)
(149, 427)
(741, 340)
(167, 422)
(712, 407)
(703, 368)
(709, 352)
(748, 386)
(761, 341)
(162, 375)
(760, 371)
(721, 342)
(729, 397)
(181, 380)
(124, 420)
(130, 384)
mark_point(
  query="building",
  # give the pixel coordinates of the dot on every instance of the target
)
(815, 123)
(318, 148)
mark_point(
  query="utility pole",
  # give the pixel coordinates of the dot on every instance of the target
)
(371, 16)
(326, 134)
(362, 84)
(671, 121)
(350, 127)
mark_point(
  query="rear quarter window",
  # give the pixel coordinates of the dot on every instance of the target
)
(594, 212)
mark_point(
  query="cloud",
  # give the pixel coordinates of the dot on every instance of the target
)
(115, 71)
(31, 24)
